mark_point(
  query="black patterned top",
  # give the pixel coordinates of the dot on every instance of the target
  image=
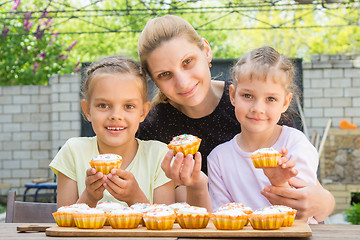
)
(165, 122)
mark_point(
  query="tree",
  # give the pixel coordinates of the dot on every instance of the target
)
(30, 48)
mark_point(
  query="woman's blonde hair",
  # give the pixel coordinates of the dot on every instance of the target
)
(159, 30)
(113, 65)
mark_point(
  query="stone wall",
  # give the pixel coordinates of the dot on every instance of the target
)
(35, 121)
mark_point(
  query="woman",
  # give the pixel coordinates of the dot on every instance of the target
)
(178, 61)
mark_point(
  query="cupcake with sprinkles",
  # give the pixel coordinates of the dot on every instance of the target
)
(105, 162)
(290, 214)
(89, 218)
(229, 219)
(109, 206)
(267, 219)
(265, 157)
(185, 143)
(124, 218)
(192, 217)
(159, 219)
(64, 215)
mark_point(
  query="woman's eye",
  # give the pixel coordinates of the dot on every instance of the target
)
(187, 61)
(103, 105)
(164, 74)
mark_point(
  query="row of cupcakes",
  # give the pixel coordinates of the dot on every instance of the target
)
(232, 216)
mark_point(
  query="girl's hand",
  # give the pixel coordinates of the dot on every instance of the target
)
(94, 190)
(124, 187)
(309, 200)
(184, 170)
(280, 175)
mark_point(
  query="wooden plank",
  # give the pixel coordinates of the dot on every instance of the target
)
(299, 229)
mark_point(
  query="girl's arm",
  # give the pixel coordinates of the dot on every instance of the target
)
(165, 193)
(67, 191)
(310, 200)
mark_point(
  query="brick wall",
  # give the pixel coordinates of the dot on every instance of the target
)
(34, 122)
(331, 90)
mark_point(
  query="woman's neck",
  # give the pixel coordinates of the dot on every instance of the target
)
(250, 142)
(127, 152)
(207, 106)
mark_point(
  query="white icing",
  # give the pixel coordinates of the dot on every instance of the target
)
(178, 205)
(107, 157)
(265, 211)
(265, 150)
(90, 211)
(124, 211)
(182, 139)
(67, 209)
(160, 212)
(234, 212)
(192, 210)
(109, 206)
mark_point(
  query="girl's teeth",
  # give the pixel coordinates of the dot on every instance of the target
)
(111, 128)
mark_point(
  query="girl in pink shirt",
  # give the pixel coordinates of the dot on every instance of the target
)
(262, 90)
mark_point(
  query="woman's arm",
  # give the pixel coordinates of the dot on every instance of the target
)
(310, 200)
(67, 191)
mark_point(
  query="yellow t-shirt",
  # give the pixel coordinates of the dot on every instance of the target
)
(73, 160)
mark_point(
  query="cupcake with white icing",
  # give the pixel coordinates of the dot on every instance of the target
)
(229, 219)
(106, 162)
(89, 218)
(64, 216)
(124, 218)
(185, 143)
(109, 206)
(159, 219)
(290, 214)
(267, 218)
(265, 157)
(192, 217)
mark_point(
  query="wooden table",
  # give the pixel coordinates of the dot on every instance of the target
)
(319, 232)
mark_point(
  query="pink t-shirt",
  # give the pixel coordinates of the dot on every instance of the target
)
(233, 178)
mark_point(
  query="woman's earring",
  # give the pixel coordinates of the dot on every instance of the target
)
(210, 65)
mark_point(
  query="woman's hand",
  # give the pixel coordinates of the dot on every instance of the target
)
(187, 171)
(184, 170)
(124, 187)
(279, 176)
(309, 200)
(94, 190)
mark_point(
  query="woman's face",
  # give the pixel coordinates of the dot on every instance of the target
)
(181, 71)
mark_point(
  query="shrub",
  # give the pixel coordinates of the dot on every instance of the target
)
(30, 48)
(353, 214)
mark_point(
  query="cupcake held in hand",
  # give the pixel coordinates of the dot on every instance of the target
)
(105, 162)
(185, 143)
(265, 157)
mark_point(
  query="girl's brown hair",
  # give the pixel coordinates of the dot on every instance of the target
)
(159, 30)
(113, 65)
